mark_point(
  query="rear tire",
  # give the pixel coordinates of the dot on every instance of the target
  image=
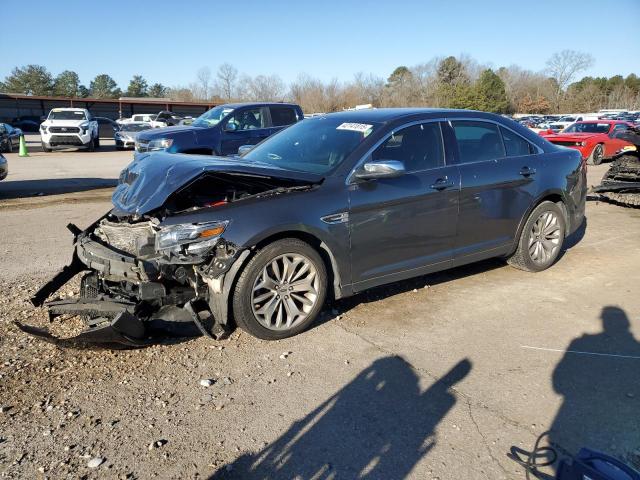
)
(597, 155)
(278, 301)
(541, 239)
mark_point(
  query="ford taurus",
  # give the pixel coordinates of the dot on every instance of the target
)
(324, 209)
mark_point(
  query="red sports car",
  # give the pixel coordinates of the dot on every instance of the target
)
(595, 139)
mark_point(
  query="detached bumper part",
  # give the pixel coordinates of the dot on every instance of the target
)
(124, 329)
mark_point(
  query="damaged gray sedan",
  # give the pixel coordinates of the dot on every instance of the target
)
(328, 207)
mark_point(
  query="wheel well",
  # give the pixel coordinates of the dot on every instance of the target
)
(319, 246)
(552, 197)
(315, 242)
(558, 200)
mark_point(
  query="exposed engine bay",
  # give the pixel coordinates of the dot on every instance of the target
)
(143, 278)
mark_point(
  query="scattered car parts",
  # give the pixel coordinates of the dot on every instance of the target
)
(621, 183)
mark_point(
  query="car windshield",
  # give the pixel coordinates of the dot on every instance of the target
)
(135, 127)
(212, 117)
(67, 115)
(315, 145)
(567, 119)
(588, 128)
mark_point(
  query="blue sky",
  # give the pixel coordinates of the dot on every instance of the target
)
(168, 41)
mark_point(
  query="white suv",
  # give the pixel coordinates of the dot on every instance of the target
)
(69, 127)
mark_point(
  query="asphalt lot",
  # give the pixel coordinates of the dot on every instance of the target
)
(62, 171)
(436, 377)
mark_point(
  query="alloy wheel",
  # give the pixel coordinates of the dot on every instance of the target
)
(285, 292)
(544, 238)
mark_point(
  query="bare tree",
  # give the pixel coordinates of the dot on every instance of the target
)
(563, 67)
(203, 84)
(227, 75)
(262, 88)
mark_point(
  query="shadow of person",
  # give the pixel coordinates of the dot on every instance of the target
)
(377, 426)
(599, 378)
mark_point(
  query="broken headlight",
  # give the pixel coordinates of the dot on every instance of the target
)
(193, 239)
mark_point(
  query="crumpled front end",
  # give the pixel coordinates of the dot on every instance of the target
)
(135, 288)
(145, 273)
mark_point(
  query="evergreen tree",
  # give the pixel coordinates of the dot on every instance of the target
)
(30, 80)
(103, 86)
(157, 90)
(137, 87)
(491, 95)
(67, 84)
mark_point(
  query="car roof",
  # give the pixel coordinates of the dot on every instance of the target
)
(610, 122)
(384, 115)
(257, 104)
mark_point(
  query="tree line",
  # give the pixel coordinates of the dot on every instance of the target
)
(447, 82)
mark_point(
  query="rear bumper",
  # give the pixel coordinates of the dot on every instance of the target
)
(578, 201)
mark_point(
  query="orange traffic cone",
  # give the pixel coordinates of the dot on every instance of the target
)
(23, 148)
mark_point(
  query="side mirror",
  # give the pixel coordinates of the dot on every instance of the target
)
(245, 149)
(380, 169)
(230, 127)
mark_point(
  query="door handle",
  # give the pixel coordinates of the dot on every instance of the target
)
(527, 172)
(442, 183)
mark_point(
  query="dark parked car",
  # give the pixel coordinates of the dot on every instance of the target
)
(4, 167)
(9, 137)
(223, 129)
(106, 127)
(327, 208)
(29, 123)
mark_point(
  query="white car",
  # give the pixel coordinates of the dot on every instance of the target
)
(139, 118)
(126, 136)
(69, 127)
(564, 122)
(166, 119)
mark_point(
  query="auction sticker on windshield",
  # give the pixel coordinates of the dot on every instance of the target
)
(356, 127)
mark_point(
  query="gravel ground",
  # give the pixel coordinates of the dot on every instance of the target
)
(436, 377)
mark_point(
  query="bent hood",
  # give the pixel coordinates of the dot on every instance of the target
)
(146, 183)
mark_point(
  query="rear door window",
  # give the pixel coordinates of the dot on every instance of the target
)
(477, 141)
(249, 119)
(418, 147)
(283, 115)
(515, 145)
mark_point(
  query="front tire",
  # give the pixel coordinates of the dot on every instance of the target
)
(597, 155)
(45, 148)
(541, 239)
(281, 291)
(91, 146)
